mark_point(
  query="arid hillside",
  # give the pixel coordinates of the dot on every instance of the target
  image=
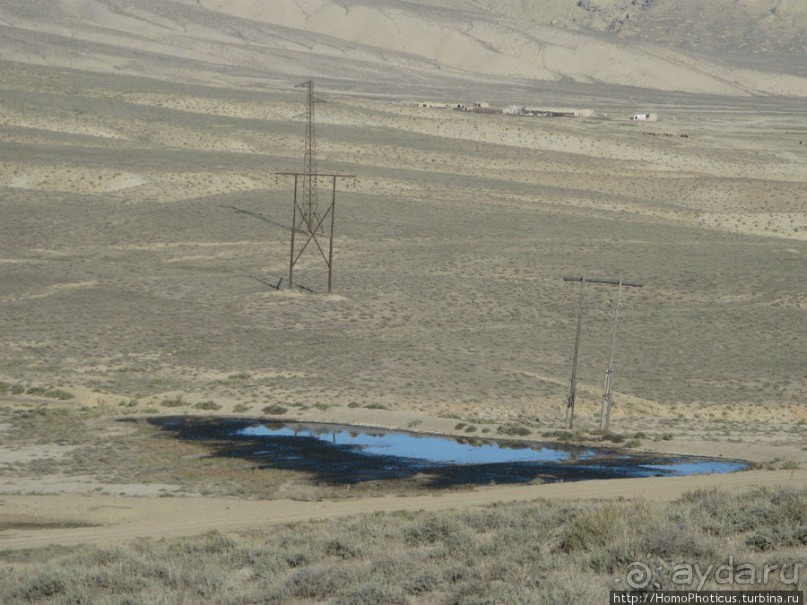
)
(145, 227)
(720, 47)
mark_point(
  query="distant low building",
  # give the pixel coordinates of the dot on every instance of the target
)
(549, 112)
(645, 117)
(486, 108)
(478, 107)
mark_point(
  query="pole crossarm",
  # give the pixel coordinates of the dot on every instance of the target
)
(330, 175)
(600, 280)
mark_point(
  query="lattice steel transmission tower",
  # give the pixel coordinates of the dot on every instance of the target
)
(307, 220)
(310, 203)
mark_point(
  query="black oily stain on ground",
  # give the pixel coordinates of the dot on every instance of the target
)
(340, 465)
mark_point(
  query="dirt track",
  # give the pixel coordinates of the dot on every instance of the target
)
(116, 519)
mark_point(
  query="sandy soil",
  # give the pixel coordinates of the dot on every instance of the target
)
(122, 518)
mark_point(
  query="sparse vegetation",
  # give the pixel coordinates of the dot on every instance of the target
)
(777, 463)
(664, 437)
(483, 216)
(612, 437)
(513, 430)
(240, 376)
(59, 394)
(527, 553)
(173, 402)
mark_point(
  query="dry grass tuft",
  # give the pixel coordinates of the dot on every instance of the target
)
(540, 552)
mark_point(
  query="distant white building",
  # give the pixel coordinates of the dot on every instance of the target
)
(645, 117)
(555, 112)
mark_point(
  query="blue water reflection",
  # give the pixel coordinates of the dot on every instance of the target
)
(441, 450)
(355, 454)
(697, 467)
(351, 455)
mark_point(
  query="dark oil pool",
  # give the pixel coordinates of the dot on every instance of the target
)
(345, 455)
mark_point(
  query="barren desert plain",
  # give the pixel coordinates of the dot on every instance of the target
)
(144, 257)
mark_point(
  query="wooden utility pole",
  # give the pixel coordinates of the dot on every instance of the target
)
(605, 412)
(573, 380)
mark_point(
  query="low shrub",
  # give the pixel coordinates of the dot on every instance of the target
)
(59, 394)
(375, 593)
(513, 429)
(316, 582)
(274, 409)
(173, 403)
(612, 437)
